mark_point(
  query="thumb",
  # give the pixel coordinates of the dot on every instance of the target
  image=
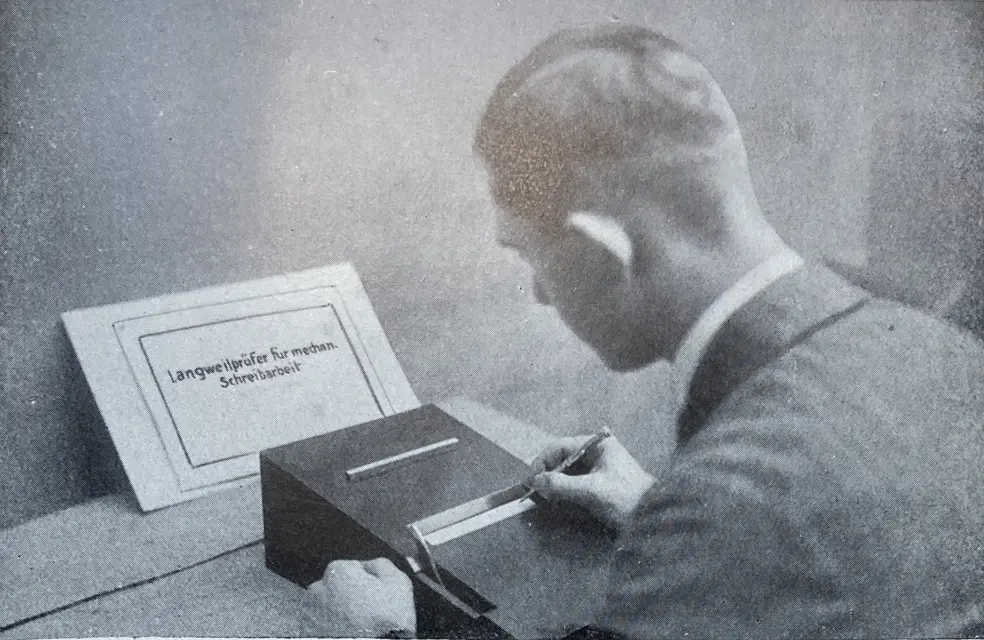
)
(555, 485)
(380, 567)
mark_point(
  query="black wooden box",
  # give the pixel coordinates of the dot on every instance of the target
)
(540, 573)
(313, 513)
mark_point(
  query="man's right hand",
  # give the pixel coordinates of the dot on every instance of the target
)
(611, 489)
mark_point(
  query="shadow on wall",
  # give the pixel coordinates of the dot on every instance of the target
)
(104, 471)
(925, 121)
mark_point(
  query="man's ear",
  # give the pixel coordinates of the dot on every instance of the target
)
(607, 232)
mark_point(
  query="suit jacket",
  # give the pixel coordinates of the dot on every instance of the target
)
(828, 479)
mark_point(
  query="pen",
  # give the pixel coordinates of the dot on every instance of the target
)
(583, 450)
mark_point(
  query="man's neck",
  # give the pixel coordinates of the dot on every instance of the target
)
(696, 340)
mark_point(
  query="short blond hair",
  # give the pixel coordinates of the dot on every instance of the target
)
(597, 94)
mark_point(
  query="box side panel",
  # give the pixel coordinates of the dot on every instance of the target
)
(302, 532)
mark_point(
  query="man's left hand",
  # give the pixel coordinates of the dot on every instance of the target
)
(359, 599)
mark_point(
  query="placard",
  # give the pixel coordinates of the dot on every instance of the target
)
(193, 385)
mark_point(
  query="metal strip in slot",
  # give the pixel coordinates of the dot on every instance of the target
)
(413, 564)
(385, 464)
(425, 550)
(469, 509)
(480, 521)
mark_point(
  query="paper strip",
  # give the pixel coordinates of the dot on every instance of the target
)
(381, 466)
(480, 521)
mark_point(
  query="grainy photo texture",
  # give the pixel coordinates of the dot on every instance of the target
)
(492, 319)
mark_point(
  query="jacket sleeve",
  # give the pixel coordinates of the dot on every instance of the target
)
(716, 552)
(594, 633)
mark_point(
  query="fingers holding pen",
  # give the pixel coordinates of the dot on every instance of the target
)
(556, 452)
(555, 485)
(608, 484)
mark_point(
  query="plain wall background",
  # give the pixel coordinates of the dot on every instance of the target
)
(153, 147)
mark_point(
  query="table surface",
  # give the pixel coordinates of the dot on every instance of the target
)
(197, 569)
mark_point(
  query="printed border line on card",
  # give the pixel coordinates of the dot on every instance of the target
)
(160, 391)
(372, 365)
(119, 325)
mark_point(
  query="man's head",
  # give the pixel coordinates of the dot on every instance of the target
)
(618, 172)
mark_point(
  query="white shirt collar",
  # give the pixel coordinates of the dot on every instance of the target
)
(699, 336)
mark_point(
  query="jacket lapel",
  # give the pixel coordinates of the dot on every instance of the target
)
(785, 314)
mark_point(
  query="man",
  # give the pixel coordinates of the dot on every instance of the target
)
(827, 479)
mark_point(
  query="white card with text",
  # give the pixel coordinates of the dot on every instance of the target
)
(192, 386)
